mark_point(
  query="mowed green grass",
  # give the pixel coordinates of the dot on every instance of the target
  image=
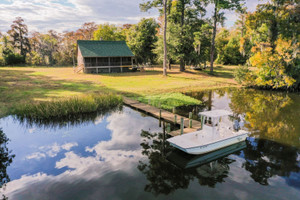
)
(34, 84)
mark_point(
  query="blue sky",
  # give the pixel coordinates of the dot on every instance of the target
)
(62, 15)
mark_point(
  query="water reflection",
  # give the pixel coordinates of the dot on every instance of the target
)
(68, 121)
(270, 115)
(168, 169)
(6, 158)
(265, 159)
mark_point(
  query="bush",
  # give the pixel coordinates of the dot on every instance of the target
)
(14, 58)
(2, 61)
(242, 75)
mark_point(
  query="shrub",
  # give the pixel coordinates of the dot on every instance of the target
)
(13, 59)
(242, 74)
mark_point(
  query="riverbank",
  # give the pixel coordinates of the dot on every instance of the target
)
(20, 85)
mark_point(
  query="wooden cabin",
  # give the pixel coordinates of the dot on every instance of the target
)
(104, 56)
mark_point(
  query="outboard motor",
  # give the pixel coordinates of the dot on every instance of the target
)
(236, 125)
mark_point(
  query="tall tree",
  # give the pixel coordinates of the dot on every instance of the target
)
(162, 5)
(87, 30)
(19, 36)
(165, 38)
(218, 17)
(141, 39)
(108, 32)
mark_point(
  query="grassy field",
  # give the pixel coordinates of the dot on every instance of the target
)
(32, 84)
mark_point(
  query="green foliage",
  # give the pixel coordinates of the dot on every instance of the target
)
(169, 100)
(274, 33)
(202, 43)
(242, 74)
(67, 107)
(141, 40)
(2, 61)
(108, 32)
(14, 59)
(228, 48)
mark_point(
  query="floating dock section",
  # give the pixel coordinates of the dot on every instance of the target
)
(166, 116)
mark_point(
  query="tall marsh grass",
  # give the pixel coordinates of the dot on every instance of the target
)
(68, 107)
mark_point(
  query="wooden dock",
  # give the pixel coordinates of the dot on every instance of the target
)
(165, 115)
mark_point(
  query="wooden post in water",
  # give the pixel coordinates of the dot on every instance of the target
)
(159, 113)
(191, 120)
(168, 128)
(181, 126)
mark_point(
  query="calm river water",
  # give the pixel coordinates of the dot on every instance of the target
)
(123, 155)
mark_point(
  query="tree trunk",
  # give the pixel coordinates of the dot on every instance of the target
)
(170, 67)
(165, 39)
(182, 63)
(212, 49)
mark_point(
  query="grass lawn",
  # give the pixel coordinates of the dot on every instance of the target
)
(31, 84)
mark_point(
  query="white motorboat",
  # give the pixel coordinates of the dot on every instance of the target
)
(219, 130)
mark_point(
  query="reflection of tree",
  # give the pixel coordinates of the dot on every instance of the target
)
(270, 115)
(71, 120)
(265, 159)
(164, 177)
(6, 159)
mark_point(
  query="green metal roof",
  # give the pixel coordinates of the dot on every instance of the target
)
(97, 48)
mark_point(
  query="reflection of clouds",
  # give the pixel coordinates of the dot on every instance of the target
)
(51, 150)
(31, 130)
(74, 161)
(237, 173)
(36, 156)
(112, 159)
(98, 120)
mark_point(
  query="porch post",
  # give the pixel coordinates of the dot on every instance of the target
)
(109, 70)
(121, 65)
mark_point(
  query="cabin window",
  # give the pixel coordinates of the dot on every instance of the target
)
(103, 62)
(87, 62)
(126, 61)
(93, 61)
(115, 61)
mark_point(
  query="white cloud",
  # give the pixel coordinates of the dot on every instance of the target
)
(42, 15)
(61, 15)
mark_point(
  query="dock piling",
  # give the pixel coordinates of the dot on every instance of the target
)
(181, 126)
(190, 119)
(168, 128)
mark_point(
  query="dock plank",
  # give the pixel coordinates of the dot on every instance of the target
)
(165, 115)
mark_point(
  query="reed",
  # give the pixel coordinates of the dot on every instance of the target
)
(67, 107)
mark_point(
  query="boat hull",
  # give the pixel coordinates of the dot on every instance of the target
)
(212, 146)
